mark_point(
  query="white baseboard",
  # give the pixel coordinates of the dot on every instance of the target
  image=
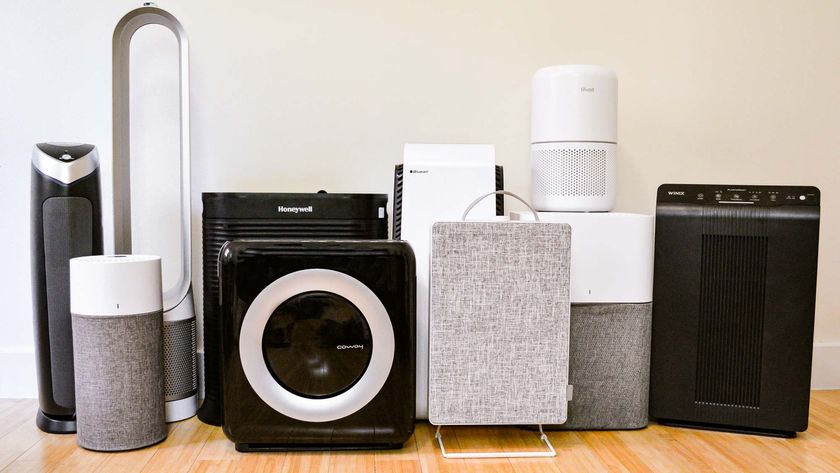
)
(825, 373)
(17, 373)
(17, 370)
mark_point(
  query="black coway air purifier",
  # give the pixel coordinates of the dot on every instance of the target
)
(66, 223)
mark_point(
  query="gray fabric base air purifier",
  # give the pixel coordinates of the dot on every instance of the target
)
(611, 293)
(118, 351)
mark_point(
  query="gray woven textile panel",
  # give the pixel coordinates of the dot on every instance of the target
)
(119, 381)
(610, 366)
(499, 323)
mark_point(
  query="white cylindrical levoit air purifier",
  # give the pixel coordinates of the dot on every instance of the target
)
(573, 138)
(117, 307)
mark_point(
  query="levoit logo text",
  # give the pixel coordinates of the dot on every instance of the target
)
(294, 210)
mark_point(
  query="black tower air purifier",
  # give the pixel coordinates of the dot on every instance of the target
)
(66, 222)
(236, 216)
(735, 277)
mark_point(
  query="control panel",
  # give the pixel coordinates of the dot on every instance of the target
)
(734, 195)
(65, 152)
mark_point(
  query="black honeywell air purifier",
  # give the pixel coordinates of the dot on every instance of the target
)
(66, 222)
(735, 278)
(317, 344)
(232, 216)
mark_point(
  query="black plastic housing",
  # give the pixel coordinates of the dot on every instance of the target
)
(387, 268)
(735, 277)
(237, 215)
(51, 300)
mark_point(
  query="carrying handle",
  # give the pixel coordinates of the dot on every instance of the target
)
(476, 201)
(123, 33)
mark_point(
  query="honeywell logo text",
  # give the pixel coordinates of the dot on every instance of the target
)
(350, 347)
(294, 210)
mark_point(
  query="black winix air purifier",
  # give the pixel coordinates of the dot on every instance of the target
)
(735, 278)
(236, 216)
(66, 221)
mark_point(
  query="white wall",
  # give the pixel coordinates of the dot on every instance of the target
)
(299, 96)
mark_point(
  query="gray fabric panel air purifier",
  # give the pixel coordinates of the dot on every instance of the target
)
(499, 323)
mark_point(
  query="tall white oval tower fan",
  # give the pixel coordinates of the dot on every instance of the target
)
(573, 138)
(179, 323)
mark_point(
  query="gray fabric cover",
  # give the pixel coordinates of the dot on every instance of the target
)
(609, 366)
(119, 381)
(499, 323)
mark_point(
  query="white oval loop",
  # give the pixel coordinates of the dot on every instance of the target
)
(293, 405)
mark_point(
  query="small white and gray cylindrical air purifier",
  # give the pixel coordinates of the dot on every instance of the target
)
(116, 305)
(574, 138)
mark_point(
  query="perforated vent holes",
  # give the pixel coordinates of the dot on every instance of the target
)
(180, 377)
(570, 172)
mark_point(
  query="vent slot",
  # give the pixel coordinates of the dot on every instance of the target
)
(731, 323)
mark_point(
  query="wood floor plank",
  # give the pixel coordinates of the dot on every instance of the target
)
(480, 439)
(17, 412)
(573, 454)
(351, 461)
(219, 448)
(429, 455)
(19, 440)
(403, 460)
(256, 463)
(306, 462)
(660, 451)
(181, 448)
(196, 447)
(612, 451)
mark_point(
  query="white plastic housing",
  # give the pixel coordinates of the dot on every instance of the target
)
(115, 285)
(612, 255)
(574, 103)
(439, 182)
(573, 138)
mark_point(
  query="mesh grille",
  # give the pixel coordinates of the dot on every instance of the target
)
(180, 377)
(731, 322)
(570, 172)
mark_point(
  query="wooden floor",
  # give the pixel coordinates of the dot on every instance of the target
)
(195, 447)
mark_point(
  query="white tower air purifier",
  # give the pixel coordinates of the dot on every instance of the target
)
(179, 323)
(573, 138)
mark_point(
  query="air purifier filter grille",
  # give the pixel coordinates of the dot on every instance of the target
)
(180, 377)
(579, 171)
(731, 320)
(68, 232)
